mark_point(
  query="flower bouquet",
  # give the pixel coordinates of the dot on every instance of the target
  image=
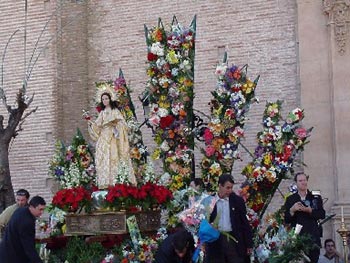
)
(195, 220)
(73, 165)
(292, 248)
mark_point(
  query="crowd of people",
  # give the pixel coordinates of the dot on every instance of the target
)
(234, 245)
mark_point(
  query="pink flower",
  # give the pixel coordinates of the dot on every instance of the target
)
(301, 133)
(208, 136)
(154, 120)
(209, 151)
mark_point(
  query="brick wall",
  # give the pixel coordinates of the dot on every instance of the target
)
(110, 35)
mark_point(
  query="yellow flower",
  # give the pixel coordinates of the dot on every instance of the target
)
(156, 154)
(188, 82)
(135, 153)
(248, 170)
(64, 228)
(248, 87)
(150, 72)
(142, 256)
(267, 159)
(271, 176)
(216, 128)
(172, 57)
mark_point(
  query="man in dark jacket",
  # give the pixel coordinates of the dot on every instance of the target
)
(230, 216)
(18, 244)
(305, 208)
(176, 248)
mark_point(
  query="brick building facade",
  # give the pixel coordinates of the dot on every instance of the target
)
(92, 39)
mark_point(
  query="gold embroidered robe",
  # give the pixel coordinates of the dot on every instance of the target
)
(112, 146)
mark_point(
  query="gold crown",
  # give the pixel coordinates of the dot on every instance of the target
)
(105, 88)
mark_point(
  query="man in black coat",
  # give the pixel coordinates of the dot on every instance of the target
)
(230, 216)
(18, 244)
(176, 248)
(305, 208)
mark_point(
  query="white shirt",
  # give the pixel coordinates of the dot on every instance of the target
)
(324, 259)
(223, 214)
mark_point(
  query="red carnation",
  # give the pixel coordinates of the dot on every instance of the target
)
(152, 57)
(166, 121)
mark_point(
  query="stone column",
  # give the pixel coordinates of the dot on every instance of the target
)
(338, 24)
(324, 60)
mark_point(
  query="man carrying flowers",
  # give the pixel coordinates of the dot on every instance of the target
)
(236, 240)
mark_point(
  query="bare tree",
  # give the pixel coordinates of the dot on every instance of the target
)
(18, 113)
(16, 116)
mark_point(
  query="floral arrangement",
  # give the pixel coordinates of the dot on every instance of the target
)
(144, 250)
(284, 246)
(73, 165)
(198, 211)
(127, 197)
(170, 69)
(56, 221)
(118, 198)
(233, 96)
(73, 199)
(278, 145)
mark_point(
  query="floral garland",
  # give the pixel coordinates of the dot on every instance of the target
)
(73, 166)
(170, 61)
(233, 96)
(274, 156)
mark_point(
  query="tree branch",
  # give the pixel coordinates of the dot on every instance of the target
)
(27, 114)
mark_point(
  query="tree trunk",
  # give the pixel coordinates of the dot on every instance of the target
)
(7, 196)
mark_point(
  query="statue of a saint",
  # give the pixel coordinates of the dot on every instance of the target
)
(109, 131)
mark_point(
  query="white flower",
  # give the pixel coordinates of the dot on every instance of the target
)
(220, 70)
(174, 72)
(165, 179)
(162, 112)
(158, 49)
(164, 146)
(186, 65)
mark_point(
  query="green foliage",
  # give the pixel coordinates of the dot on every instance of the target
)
(78, 251)
(294, 249)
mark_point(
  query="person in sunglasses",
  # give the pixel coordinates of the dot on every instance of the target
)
(22, 197)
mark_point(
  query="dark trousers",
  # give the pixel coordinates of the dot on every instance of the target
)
(223, 250)
(313, 254)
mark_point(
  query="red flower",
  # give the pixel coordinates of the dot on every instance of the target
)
(166, 121)
(99, 109)
(152, 57)
(72, 199)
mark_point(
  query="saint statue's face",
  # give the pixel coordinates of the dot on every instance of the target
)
(105, 100)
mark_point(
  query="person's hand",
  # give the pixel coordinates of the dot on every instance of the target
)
(298, 206)
(306, 209)
(86, 115)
